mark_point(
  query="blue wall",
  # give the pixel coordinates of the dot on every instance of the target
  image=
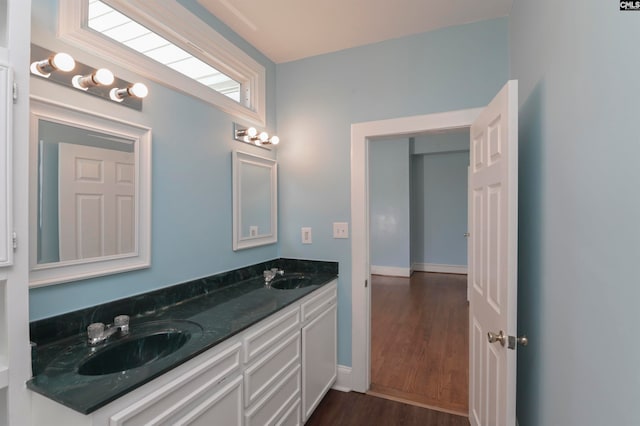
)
(389, 203)
(577, 68)
(191, 198)
(318, 99)
(439, 207)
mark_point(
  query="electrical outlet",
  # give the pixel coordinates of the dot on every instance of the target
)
(253, 231)
(340, 230)
(306, 235)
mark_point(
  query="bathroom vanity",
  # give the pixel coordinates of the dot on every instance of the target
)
(229, 351)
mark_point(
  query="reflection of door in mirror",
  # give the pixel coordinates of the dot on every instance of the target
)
(96, 207)
(86, 193)
(255, 200)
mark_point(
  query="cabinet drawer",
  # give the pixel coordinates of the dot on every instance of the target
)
(264, 335)
(320, 302)
(271, 408)
(224, 407)
(266, 371)
(185, 393)
(292, 417)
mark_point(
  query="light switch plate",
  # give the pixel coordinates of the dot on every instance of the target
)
(340, 230)
(306, 235)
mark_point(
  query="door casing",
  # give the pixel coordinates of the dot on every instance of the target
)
(361, 133)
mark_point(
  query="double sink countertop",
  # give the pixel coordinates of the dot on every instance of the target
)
(210, 310)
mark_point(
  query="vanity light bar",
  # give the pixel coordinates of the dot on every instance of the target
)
(97, 82)
(250, 135)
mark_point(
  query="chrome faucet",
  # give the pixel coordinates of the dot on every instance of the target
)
(97, 332)
(269, 275)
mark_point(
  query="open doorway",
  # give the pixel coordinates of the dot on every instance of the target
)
(418, 257)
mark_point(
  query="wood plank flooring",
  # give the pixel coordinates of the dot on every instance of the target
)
(356, 409)
(419, 340)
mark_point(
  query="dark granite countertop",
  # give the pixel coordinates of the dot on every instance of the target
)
(217, 310)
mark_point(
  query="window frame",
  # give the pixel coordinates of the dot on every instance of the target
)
(172, 21)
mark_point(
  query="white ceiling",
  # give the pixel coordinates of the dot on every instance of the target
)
(287, 30)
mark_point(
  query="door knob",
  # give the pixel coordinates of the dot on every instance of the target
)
(467, 235)
(500, 337)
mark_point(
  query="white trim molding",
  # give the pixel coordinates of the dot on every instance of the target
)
(343, 381)
(438, 267)
(391, 271)
(360, 272)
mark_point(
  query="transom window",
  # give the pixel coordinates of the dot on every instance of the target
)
(165, 42)
(113, 24)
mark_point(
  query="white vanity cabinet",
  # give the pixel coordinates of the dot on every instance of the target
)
(203, 391)
(319, 348)
(274, 373)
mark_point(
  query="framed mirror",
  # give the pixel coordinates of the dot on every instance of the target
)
(90, 196)
(255, 200)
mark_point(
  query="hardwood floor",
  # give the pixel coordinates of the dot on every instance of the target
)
(356, 409)
(419, 340)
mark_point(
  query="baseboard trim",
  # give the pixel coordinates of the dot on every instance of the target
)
(391, 271)
(437, 267)
(343, 381)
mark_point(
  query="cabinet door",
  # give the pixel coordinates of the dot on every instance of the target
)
(319, 359)
(6, 122)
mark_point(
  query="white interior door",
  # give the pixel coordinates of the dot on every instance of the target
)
(492, 277)
(96, 204)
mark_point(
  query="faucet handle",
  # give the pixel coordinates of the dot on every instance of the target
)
(122, 322)
(95, 331)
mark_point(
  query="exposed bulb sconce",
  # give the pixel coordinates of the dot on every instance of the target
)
(55, 62)
(100, 77)
(95, 82)
(251, 135)
(137, 90)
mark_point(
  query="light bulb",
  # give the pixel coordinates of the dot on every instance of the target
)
(100, 77)
(139, 90)
(264, 137)
(103, 77)
(63, 62)
(252, 132)
(274, 140)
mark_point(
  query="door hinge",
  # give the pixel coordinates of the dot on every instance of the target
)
(14, 240)
(15, 93)
(366, 283)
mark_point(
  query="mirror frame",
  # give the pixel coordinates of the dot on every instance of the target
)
(79, 269)
(239, 243)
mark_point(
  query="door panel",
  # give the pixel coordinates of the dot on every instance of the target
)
(96, 193)
(493, 183)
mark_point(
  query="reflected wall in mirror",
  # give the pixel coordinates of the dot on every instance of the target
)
(90, 204)
(255, 199)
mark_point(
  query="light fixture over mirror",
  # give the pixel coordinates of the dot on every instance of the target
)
(250, 135)
(98, 82)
